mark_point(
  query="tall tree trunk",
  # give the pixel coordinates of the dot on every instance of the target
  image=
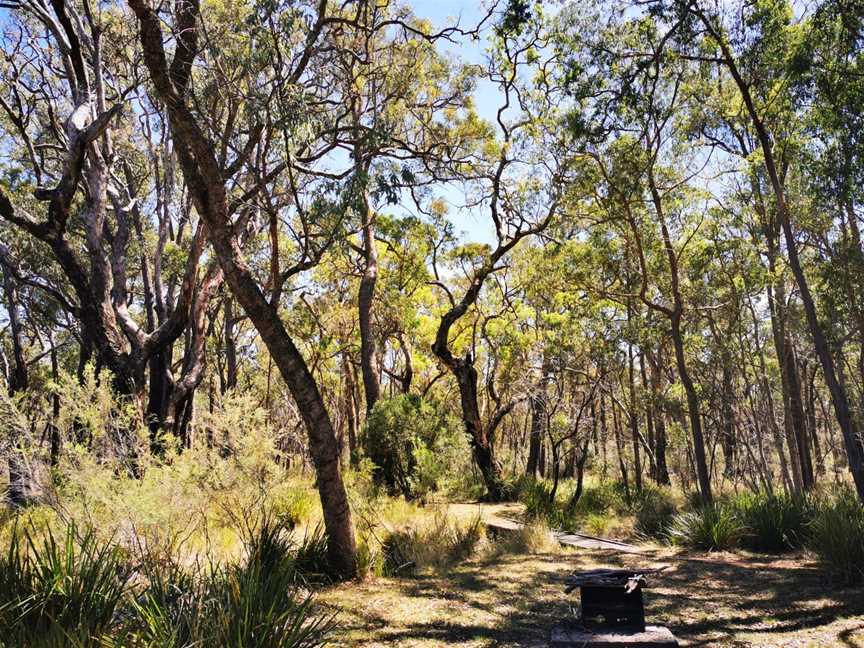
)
(19, 490)
(694, 413)
(851, 435)
(350, 405)
(634, 418)
(55, 406)
(366, 294)
(727, 397)
(619, 446)
(230, 343)
(649, 418)
(205, 178)
(799, 422)
(539, 416)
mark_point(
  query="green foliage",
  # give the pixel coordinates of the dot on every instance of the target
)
(717, 526)
(414, 443)
(655, 511)
(598, 501)
(774, 523)
(837, 537)
(60, 593)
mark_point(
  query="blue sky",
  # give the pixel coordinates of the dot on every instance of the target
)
(475, 224)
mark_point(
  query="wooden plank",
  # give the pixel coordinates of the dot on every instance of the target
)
(590, 542)
(505, 525)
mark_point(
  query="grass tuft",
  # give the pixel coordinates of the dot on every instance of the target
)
(837, 537)
(714, 527)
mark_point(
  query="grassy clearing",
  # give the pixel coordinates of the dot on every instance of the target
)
(512, 599)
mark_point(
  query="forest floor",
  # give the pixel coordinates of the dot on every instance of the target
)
(717, 599)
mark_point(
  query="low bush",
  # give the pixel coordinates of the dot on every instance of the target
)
(655, 511)
(836, 535)
(714, 527)
(415, 444)
(594, 511)
(774, 523)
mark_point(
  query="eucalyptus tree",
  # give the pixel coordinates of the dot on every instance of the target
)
(515, 180)
(81, 183)
(755, 46)
(627, 119)
(269, 63)
(397, 88)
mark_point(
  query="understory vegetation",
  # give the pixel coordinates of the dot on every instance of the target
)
(831, 525)
(300, 295)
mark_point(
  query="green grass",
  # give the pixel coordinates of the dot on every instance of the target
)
(837, 537)
(714, 527)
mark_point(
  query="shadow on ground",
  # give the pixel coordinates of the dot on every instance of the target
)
(513, 600)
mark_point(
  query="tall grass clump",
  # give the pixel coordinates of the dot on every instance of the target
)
(260, 603)
(774, 522)
(713, 527)
(439, 544)
(60, 593)
(539, 505)
(82, 593)
(837, 537)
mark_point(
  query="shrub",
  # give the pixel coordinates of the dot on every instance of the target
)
(711, 527)
(837, 537)
(774, 523)
(593, 509)
(602, 498)
(414, 444)
(655, 512)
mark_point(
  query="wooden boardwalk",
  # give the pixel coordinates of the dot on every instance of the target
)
(569, 538)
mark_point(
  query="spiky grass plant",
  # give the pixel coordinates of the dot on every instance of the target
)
(714, 527)
(837, 537)
(60, 593)
(774, 522)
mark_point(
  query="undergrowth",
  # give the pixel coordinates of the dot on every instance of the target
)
(82, 592)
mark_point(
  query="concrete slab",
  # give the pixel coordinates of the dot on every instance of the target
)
(653, 636)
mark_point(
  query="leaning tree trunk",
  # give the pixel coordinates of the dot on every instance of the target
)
(205, 178)
(481, 441)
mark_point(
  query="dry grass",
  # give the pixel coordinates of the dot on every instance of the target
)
(720, 599)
